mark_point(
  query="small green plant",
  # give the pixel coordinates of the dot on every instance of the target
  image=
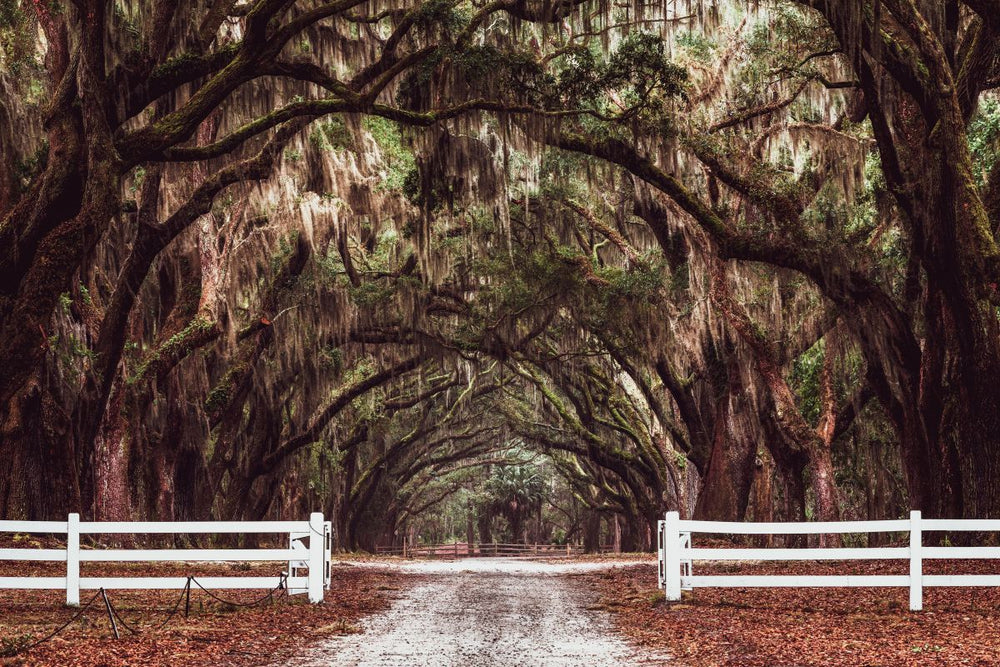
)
(921, 648)
(138, 176)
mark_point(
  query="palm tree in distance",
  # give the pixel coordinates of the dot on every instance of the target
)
(515, 492)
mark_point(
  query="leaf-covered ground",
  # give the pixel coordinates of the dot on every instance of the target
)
(214, 633)
(769, 627)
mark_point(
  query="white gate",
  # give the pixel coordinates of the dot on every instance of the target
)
(299, 543)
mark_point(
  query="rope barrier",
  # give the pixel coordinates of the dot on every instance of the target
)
(65, 625)
(116, 618)
(267, 596)
(185, 593)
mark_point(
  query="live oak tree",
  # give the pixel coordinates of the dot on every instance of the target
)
(262, 257)
(918, 71)
(138, 87)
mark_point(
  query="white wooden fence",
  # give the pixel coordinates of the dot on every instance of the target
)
(677, 554)
(308, 549)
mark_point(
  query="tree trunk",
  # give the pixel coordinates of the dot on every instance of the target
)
(110, 466)
(729, 475)
(470, 527)
(592, 532)
(799, 445)
(38, 473)
(484, 524)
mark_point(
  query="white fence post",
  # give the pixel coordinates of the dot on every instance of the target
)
(328, 554)
(73, 560)
(660, 555)
(317, 551)
(672, 556)
(916, 564)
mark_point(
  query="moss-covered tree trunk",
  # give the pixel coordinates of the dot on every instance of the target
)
(922, 76)
(729, 472)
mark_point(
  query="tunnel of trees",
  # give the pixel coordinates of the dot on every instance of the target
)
(533, 270)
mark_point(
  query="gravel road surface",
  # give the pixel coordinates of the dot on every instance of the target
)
(485, 613)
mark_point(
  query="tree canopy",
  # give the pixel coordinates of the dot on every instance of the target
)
(735, 258)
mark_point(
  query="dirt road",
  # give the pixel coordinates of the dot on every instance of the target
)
(485, 612)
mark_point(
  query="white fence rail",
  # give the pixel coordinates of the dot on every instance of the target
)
(309, 550)
(677, 554)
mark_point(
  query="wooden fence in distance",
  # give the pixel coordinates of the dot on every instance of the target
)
(454, 550)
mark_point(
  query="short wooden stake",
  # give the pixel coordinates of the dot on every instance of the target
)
(111, 614)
